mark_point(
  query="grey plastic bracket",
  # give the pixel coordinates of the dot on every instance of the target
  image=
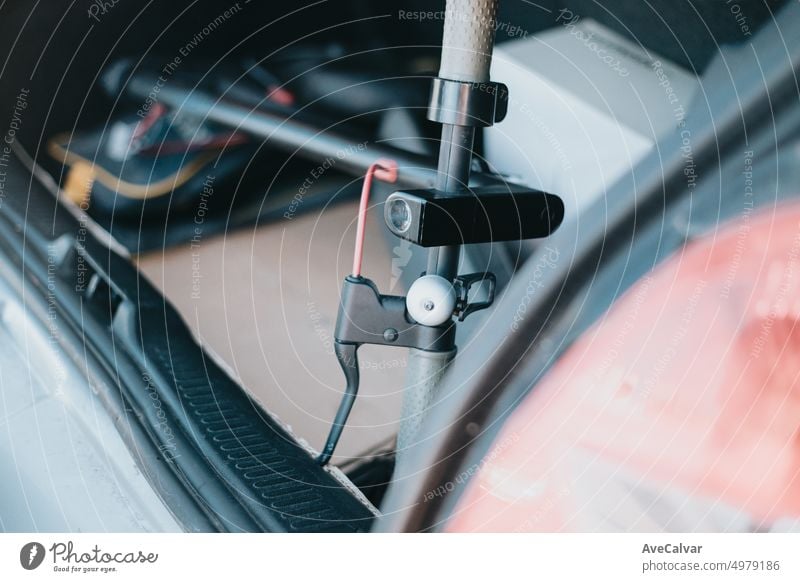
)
(367, 317)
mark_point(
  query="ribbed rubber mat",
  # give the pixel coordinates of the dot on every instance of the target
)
(263, 467)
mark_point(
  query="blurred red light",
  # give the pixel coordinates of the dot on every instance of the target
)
(678, 411)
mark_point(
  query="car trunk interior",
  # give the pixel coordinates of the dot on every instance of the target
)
(263, 296)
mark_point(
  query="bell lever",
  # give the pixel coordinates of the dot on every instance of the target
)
(463, 285)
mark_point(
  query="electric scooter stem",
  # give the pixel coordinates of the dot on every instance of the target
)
(467, 46)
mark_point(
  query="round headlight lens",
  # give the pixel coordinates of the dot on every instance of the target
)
(400, 215)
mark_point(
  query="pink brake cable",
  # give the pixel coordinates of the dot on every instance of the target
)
(384, 170)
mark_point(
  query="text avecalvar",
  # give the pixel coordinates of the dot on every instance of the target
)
(671, 549)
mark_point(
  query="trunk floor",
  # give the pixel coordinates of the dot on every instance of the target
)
(264, 299)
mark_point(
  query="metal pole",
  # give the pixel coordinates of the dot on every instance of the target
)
(466, 56)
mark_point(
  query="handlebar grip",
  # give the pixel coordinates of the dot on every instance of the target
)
(469, 27)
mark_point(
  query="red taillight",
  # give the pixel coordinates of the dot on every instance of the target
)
(679, 410)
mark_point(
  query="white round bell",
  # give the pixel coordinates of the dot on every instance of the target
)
(431, 300)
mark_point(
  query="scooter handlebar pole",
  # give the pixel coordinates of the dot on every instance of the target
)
(467, 44)
(468, 40)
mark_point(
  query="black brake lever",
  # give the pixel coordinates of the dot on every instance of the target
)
(347, 355)
(367, 317)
